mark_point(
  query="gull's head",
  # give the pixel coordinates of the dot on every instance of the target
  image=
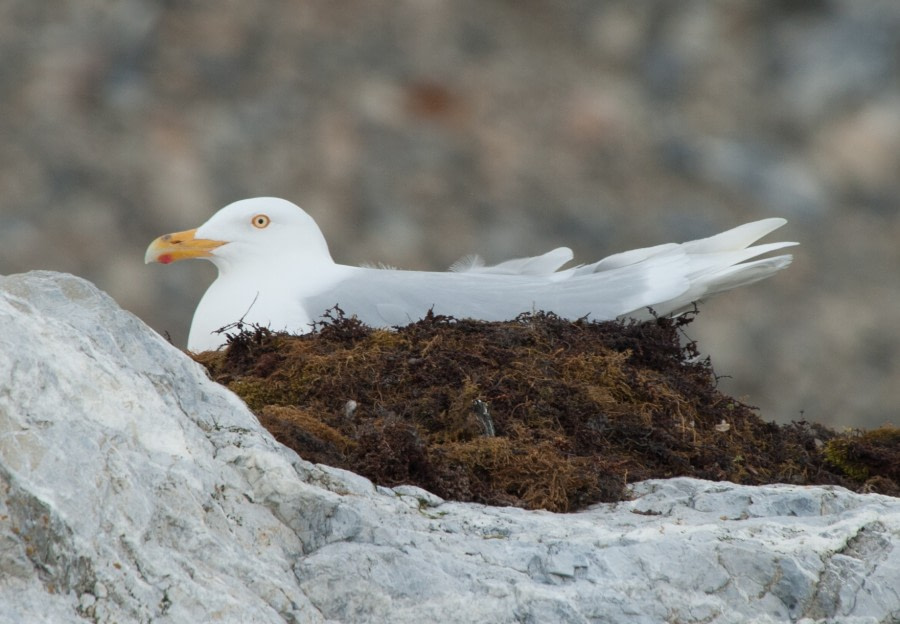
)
(245, 233)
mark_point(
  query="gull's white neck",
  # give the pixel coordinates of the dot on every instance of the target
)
(264, 290)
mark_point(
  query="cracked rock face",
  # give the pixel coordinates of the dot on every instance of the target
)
(132, 488)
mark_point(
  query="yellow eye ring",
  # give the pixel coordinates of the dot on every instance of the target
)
(260, 221)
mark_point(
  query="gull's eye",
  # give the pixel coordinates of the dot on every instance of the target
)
(260, 221)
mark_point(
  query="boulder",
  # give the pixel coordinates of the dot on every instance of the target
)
(135, 489)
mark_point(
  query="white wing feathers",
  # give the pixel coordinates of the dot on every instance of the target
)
(667, 278)
(545, 264)
(715, 264)
(718, 263)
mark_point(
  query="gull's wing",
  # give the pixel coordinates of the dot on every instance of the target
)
(715, 264)
(382, 297)
(668, 278)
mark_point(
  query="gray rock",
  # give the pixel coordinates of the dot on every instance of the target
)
(134, 489)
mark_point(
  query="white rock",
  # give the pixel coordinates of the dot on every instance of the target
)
(134, 489)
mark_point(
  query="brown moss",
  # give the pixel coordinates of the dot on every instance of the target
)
(538, 412)
(865, 454)
(302, 428)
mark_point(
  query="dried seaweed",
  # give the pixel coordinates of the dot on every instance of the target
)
(538, 412)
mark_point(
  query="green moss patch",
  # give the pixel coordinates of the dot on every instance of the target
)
(538, 412)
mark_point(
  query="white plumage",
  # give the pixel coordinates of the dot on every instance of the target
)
(275, 270)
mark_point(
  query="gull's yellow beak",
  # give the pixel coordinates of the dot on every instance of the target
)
(180, 246)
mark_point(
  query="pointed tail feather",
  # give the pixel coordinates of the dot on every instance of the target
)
(720, 263)
(736, 238)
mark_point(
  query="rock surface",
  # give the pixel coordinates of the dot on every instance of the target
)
(134, 489)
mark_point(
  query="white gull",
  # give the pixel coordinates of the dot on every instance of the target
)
(275, 270)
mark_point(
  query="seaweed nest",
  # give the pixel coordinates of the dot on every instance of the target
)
(538, 412)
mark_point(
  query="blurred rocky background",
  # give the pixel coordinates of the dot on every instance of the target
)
(419, 131)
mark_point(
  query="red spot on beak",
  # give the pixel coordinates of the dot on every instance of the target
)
(165, 258)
